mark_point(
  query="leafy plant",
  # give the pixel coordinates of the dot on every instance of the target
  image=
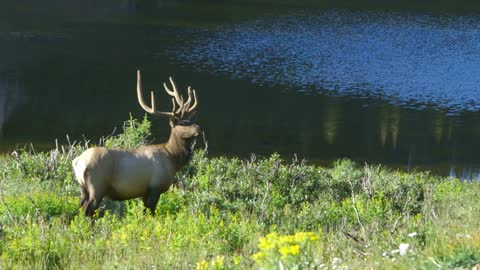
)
(223, 210)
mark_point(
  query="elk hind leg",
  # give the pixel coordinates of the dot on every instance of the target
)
(90, 206)
(95, 197)
(85, 196)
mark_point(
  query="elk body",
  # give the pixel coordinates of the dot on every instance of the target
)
(147, 171)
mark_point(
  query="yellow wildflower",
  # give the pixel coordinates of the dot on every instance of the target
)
(202, 265)
(267, 243)
(260, 256)
(272, 237)
(291, 250)
(218, 262)
(305, 236)
(123, 238)
(287, 239)
(237, 259)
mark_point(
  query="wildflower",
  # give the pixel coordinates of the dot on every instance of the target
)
(413, 234)
(218, 262)
(237, 259)
(272, 236)
(305, 236)
(123, 237)
(260, 256)
(268, 242)
(291, 250)
(202, 265)
(403, 248)
(283, 249)
(287, 239)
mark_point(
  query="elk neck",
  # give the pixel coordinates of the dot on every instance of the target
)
(179, 150)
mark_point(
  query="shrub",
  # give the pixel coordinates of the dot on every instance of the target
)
(43, 203)
(134, 134)
(305, 216)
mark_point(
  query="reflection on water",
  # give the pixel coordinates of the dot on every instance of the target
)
(408, 60)
(389, 126)
(330, 124)
(467, 174)
(10, 97)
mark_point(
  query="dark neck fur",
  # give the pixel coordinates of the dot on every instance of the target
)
(180, 150)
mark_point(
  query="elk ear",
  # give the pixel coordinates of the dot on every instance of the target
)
(173, 121)
(192, 117)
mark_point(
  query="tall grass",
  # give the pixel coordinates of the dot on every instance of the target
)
(238, 214)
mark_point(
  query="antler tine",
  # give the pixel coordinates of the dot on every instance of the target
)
(187, 104)
(152, 109)
(152, 98)
(195, 101)
(173, 106)
(174, 93)
(139, 93)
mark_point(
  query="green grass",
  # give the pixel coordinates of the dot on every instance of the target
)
(227, 213)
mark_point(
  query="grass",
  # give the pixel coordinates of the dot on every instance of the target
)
(227, 213)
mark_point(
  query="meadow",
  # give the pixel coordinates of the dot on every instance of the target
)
(229, 213)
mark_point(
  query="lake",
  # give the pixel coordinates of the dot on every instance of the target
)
(393, 85)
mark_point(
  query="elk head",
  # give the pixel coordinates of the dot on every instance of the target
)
(182, 119)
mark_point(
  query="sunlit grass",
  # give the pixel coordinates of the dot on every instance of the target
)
(226, 213)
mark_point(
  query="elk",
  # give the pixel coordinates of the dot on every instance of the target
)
(146, 171)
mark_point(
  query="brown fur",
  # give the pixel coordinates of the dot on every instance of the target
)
(122, 174)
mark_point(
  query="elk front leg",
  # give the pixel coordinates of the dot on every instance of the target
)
(150, 200)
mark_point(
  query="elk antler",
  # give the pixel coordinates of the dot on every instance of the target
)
(176, 99)
(174, 94)
(152, 109)
(190, 98)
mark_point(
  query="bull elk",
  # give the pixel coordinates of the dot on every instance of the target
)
(147, 171)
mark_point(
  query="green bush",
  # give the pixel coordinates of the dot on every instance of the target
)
(135, 133)
(44, 203)
(221, 211)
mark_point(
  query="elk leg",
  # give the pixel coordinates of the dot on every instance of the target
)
(85, 197)
(95, 197)
(90, 207)
(93, 203)
(150, 201)
(145, 202)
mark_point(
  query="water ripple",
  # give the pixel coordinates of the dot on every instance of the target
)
(407, 59)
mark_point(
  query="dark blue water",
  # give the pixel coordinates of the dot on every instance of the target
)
(408, 60)
(397, 88)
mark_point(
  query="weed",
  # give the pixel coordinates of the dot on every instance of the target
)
(222, 211)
